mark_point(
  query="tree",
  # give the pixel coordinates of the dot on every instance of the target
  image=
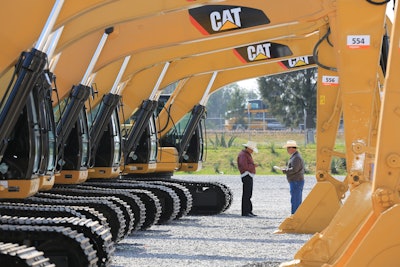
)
(237, 103)
(217, 105)
(229, 98)
(291, 97)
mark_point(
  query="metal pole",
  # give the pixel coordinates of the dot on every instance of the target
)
(48, 27)
(160, 78)
(114, 89)
(206, 95)
(85, 79)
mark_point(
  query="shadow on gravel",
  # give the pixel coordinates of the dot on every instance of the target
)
(263, 264)
(197, 257)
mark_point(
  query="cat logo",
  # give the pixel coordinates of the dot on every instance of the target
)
(212, 19)
(259, 52)
(262, 51)
(297, 62)
(226, 19)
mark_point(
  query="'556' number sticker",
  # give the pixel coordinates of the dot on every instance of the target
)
(358, 41)
(330, 80)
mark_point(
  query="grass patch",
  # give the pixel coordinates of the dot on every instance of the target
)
(222, 158)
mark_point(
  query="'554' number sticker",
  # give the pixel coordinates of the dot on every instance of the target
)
(358, 41)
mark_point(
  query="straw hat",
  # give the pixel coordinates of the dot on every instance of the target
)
(252, 145)
(290, 143)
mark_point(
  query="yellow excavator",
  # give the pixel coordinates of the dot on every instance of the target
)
(73, 115)
(144, 168)
(356, 51)
(29, 152)
(65, 59)
(325, 198)
(168, 158)
(184, 100)
(317, 224)
(331, 80)
(64, 139)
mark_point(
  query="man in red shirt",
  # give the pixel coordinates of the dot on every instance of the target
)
(247, 169)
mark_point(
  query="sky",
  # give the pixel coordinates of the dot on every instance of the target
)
(248, 84)
(389, 10)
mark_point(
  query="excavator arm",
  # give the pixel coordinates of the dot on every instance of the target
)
(357, 39)
(124, 42)
(325, 198)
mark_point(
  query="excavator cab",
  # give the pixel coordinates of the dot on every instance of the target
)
(73, 139)
(140, 156)
(74, 159)
(190, 159)
(105, 139)
(42, 93)
(20, 161)
(193, 157)
(19, 128)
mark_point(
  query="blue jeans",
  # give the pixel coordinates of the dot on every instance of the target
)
(296, 194)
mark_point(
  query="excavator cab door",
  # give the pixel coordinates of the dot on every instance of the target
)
(110, 151)
(193, 157)
(146, 150)
(21, 158)
(75, 159)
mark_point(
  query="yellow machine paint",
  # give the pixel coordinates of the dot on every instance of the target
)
(225, 60)
(159, 53)
(359, 232)
(347, 240)
(146, 78)
(324, 200)
(140, 35)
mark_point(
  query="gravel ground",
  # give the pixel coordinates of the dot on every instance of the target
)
(227, 239)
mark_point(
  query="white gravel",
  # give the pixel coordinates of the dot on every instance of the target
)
(227, 239)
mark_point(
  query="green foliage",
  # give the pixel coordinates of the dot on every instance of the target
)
(231, 140)
(232, 164)
(223, 159)
(290, 95)
(216, 167)
(212, 143)
(217, 140)
(221, 141)
(273, 151)
(338, 166)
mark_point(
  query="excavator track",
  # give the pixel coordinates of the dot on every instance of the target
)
(111, 211)
(208, 198)
(62, 245)
(169, 200)
(185, 197)
(12, 254)
(36, 210)
(137, 206)
(100, 237)
(151, 202)
(98, 232)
